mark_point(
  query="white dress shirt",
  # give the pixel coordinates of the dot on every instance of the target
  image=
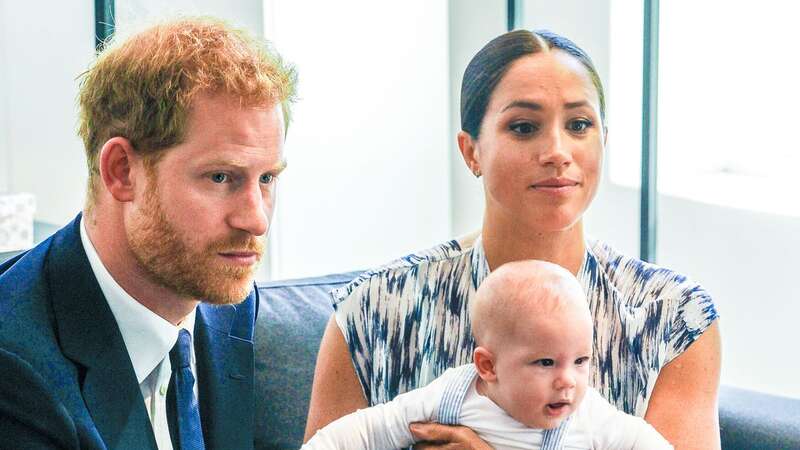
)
(148, 338)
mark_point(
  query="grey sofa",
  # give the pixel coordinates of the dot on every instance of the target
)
(291, 320)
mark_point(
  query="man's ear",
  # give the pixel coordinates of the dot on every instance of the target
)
(484, 363)
(469, 152)
(118, 163)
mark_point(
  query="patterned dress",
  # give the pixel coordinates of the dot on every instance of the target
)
(407, 322)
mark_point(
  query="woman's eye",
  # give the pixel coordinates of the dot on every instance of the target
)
(545, 362)
(219, 177)
(579, 126)
(266, 178)
(523, 128)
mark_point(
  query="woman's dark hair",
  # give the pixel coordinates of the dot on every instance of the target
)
(492, 62)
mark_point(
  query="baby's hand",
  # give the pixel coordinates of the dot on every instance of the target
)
(436, 436)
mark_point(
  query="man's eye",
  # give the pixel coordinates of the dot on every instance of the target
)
(545, 362)
(219, 177)
(266, 178)
(579, 125)
(523, 128)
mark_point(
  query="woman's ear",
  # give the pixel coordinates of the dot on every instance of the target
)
(116, 161)
(484, 363)
(469, 151)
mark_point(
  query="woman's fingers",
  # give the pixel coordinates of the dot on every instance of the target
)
(443, 437)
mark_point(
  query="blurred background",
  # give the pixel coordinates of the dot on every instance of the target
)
(374, 171)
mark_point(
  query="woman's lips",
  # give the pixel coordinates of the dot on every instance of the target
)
(555, 185)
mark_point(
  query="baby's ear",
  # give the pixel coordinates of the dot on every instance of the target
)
(484, 363)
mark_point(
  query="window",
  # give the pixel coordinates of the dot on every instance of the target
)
(726, 91)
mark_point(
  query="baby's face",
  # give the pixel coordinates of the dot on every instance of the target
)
(543, 370)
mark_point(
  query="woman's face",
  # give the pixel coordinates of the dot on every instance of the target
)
(541, 143)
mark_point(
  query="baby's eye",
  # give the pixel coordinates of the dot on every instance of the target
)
(219, 177)
(582, 360)
(579, 125)
(545, 362)
(523, 128)
(266, 178)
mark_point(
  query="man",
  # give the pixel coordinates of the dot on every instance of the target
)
(132, 326)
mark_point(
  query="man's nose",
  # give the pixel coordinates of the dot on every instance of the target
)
(252, 210)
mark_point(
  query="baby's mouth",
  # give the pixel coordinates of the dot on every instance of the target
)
(557, 408)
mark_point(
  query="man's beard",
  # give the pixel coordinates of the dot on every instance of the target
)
(197, 273)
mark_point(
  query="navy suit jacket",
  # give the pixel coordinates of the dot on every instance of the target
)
(66, 380)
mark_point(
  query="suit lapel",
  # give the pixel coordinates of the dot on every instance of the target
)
(89, 336)
(224, 352)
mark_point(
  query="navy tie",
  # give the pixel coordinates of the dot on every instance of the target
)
(188, 432)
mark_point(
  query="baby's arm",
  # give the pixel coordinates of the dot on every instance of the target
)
(382, 426)
(613, 429)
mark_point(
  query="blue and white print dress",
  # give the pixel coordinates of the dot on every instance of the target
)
(407, 322)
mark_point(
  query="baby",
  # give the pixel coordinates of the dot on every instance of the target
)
(528, 385)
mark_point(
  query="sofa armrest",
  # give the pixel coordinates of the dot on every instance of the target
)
(750, 420)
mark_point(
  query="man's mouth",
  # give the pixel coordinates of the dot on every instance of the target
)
(245, 258)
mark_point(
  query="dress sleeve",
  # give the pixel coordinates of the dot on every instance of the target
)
(695, 312)
(384, 426)
(351, 309)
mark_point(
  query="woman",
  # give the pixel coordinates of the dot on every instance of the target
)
(532, 116)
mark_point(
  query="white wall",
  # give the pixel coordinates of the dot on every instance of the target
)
(368, 150)
(473, 23)
(241, 13)
(745, 259)
(5, 158)
(39, 148)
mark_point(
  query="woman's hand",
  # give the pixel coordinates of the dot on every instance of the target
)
(443, 437)
(683, 406)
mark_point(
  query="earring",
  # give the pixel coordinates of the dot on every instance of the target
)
(477, 173)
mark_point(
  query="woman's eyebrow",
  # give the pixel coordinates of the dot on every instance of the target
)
(523, 104)
(538, 107)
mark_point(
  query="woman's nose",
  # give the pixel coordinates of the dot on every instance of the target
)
(554, 151)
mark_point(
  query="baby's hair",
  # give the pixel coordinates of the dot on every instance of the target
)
(516, 288)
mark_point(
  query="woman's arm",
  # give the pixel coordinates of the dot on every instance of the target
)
(683, 405)
(336, 390)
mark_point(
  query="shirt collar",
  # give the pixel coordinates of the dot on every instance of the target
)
(148, 337)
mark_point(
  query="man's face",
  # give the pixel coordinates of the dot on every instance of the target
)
(201, 215)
